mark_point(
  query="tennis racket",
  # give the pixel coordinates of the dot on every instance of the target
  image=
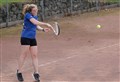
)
(56, 29)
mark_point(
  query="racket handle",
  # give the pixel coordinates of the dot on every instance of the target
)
(56, 23)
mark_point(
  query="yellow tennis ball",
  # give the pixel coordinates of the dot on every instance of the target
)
(98, 26)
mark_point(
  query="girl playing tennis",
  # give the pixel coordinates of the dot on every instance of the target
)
(28, 39)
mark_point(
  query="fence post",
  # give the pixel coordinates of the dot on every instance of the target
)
(81, 6)
(97, 5)
(7, 13)
(43, 9)
(71, 8)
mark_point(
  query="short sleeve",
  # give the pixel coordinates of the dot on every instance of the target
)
(36, 17)
(28, 16)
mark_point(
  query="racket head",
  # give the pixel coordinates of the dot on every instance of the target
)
(56, 28)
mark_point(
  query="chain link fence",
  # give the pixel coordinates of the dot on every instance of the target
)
(11, 13)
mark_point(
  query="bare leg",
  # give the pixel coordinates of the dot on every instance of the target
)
(24, 51)
(33, 51)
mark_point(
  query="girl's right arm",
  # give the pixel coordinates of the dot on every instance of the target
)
(36, 22)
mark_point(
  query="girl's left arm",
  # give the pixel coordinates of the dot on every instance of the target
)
(40, 28)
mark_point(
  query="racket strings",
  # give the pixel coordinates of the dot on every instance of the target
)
(56, 28)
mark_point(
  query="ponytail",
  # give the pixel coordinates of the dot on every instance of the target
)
(25, 9)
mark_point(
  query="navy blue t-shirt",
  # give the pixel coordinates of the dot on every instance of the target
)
(29, 29)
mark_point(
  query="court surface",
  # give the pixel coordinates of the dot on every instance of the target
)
(82, 53)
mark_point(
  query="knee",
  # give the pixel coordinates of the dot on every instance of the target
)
(24, 54)
(34, 55)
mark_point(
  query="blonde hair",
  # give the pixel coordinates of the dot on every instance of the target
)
(28, 8)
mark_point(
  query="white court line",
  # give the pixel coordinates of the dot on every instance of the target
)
(74, 81)
(64, 59)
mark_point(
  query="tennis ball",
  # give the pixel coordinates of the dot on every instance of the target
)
(98, 26)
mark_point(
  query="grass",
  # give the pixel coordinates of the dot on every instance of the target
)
(105, 12)
(11, 31)
(16, 30)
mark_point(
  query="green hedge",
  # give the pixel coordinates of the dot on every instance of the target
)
(2, 2)
(113, 1)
